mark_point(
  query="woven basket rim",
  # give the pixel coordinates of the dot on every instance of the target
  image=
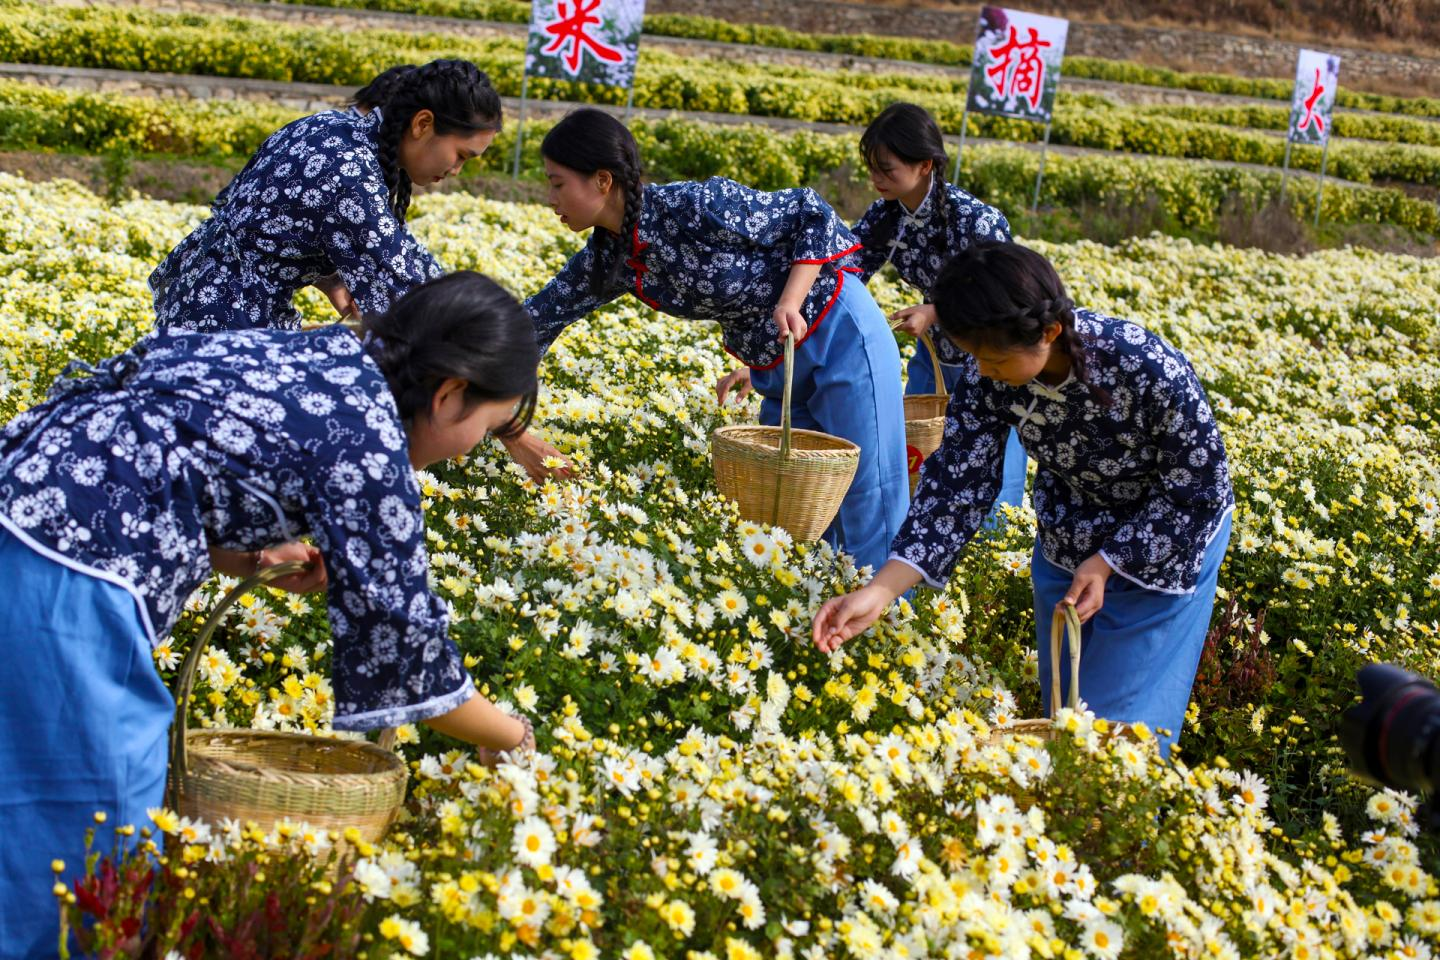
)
(1030, 726)
(1021, 728)
(740, 434)
(393, 766)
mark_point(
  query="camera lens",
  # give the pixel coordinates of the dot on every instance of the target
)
(1393, 735)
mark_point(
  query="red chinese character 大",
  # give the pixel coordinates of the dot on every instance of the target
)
(570, 28)
(1309, 104)
(1018, 69)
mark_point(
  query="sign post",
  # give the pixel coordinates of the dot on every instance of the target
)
(586, 41)
(1317, 77)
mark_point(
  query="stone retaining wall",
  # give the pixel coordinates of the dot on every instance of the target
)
(1215, 52)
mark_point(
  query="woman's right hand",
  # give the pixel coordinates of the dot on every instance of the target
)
(915, 320)
(525, 747)
(852, 614)
(849, 615)
(333, 286)
(532, 453)
(736, 380)
(495, 732)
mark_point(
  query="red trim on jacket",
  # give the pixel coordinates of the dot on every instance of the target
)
(635, 263)
(843, 253)
(839, 285)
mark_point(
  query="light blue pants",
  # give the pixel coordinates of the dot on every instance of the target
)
(84, 720)
(847, 383)
(921, 379)
(1139, 654)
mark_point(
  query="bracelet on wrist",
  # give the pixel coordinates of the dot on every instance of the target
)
(527, 735)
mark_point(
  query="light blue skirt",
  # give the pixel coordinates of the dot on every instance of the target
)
(84, 720)
(1139, 654)
(847, 383)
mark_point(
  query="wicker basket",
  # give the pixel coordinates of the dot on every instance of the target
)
(268, 776)
(925, 417)
(1065, 620)
(787, 478)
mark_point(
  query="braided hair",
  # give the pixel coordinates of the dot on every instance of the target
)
(1002, 296)
(462, 325)
(377, 91)
(911, 135)
(588, 141)
(456, 92)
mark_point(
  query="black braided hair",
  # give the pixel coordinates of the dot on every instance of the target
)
(588, 141)
(911, 135)
(1002, 296)
(456, 92)
(377, 91)
(462, 325)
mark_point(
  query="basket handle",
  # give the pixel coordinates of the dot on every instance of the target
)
(934, 359)
(784, 422)
(188, 669)
(785, 396)
(1066, 620)
(935, 364)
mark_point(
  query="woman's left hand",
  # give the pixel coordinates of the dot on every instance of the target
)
(306, 580)
(792, 321)
(1087, 590)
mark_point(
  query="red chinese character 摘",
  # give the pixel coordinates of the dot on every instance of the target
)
(1018, 68)
(1310, 114)
(570, 28)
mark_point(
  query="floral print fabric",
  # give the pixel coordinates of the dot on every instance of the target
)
(947, 221)
(1142, 480)
(712, 250)
(311, 202)
(244, 440)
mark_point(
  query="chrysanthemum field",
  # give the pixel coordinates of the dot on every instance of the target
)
(709, 785)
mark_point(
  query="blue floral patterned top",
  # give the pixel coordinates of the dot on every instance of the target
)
(714, 250)
(311, 202)
(1142, 480)
(947, 221)
(243, 440)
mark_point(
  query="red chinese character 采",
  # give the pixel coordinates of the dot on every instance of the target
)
(571, 29)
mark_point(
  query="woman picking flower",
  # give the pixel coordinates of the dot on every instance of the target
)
(919, 222)
(192, 453)
(1132, 490)
(762, 265)
(327, 195)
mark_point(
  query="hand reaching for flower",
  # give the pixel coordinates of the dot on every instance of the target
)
(842, 618)
(492, 758)
(852, 614)
(540, 460)
(737, 380)
(915, 320)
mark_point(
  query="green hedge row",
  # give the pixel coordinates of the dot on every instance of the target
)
(939, 52)
(131, 39)
(1360, 126)
(1192, 194)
